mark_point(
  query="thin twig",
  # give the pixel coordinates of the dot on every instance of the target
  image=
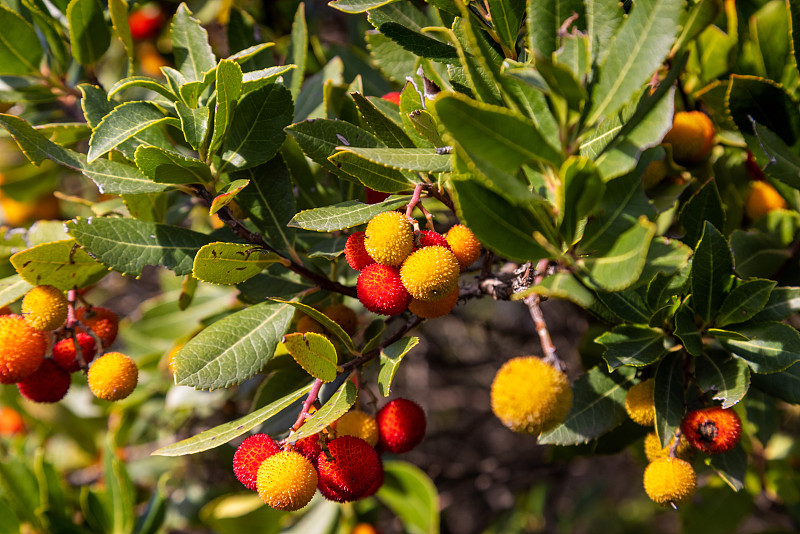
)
(532, 301)
(434, 192)
(312, 397)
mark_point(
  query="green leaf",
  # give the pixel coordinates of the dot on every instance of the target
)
(119, 490)
(298, 51)
(314, 353)
(603, 18)
(784, 163)
(427, 126)
(88, 32)
(669, 397)
(581, 188)
(194, 123)
(544, 22)
(391, 357)
(338, 405)
(62, 264)
(234, 348)
(784, 385)
(20, 50)
(171, 168)
(344, 215)
(12, 288)
(411, 495)
(379, 124)
(752, 99)
(728, 377)
(222, 434)
(506, 229)
(627, 304)
(772, 346)
(144, 82)
(704, 205)
(507, 16)
(687, 331)
(128, 245)
(124, 121)
(744, 302)
(491, 138)
(666, 256)
(193, 55)
(118, 9)
(731, 466)
(566, 286)
(320, 138)
(712, 267)
(757, 254)
(256, 133)
(358, 6)
(229, 89)
(230, 263)
(769, 35)
(372, 175)
(257, 79)
(406, 159)
(322, 319)
(393, 60)
(783, 302)
(598, 406)
(620, 265)
(635, 52)
(227, 194)
(420, 44)
(633, 345)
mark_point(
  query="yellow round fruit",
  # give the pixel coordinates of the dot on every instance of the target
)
(653, 449)
(45, 308)
(113, 376)
(22, 349)
(464, 245)
(286, 481)
(639, 403)
(691, 137)
(343, 316)
(430, 273)
(670, 480)
(762, 199)
(438, 308)
(530, 396)
(357, 424)
(389, 238)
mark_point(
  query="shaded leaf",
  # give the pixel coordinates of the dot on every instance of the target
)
(728, 377)
(731, 466)
(772, 346)
(744, 302)
(633, 345)
(391, 357)
(410, 493)
(20, 50)
(171, 168)
(712, 269)
(669, 396)
(89, 35)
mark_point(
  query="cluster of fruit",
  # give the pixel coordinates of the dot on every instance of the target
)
(38, 350)
(669, 478)
(401, 269)
(343, 461)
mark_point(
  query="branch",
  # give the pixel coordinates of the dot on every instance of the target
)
(370, 354)
(532, 301)
(312, 397)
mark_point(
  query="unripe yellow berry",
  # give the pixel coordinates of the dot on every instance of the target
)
(358, 424)
(653, 449)
(45, 308)
(464, 245)
(670, 480)
(113, 376)
(530, 396)
(639, 403)
(762, 199)
(430, 273)
(691, 137)
(389, 238)
(286, 481)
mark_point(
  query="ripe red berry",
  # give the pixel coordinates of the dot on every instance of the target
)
(102, 321)
(352, 469)
(401, 425)
(249, 455)
(713, 430)
(429, 238)
(48, 384)
(146, 22)
(310, 448)
(355, 253)
(66, 357)
(381, 290)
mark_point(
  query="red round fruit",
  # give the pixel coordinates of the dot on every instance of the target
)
(355, 253)
(66, 357)
(401, 425)
(249, 455)
(429, 238)
(145, 23)
(310, 448)
(381, 290)
(48, 384)
(351, 470)
(713, 430)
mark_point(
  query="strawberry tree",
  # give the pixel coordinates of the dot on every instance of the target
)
(639, 160)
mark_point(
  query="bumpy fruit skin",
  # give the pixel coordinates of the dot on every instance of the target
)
(146, 22)
(249, 455)
(429, 238)
(432, 310)
(713, 430)
(65, 355)
(11, 422)
(653, 449)
(48, 384)
(355, 253)
(762, 199)
(639, 403)
(344, 316)
(430, 273)
(351, 471)
(464, 245)
(380, 289)
(401, 425)
(286, 481)
(22, 349)
(389, 238)
(113, 376)
(691, 137)
(530, 396)
(45, 308)
(310, 448)
(307, 324)
(103, 322)
(670, 480)
(359, 424)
